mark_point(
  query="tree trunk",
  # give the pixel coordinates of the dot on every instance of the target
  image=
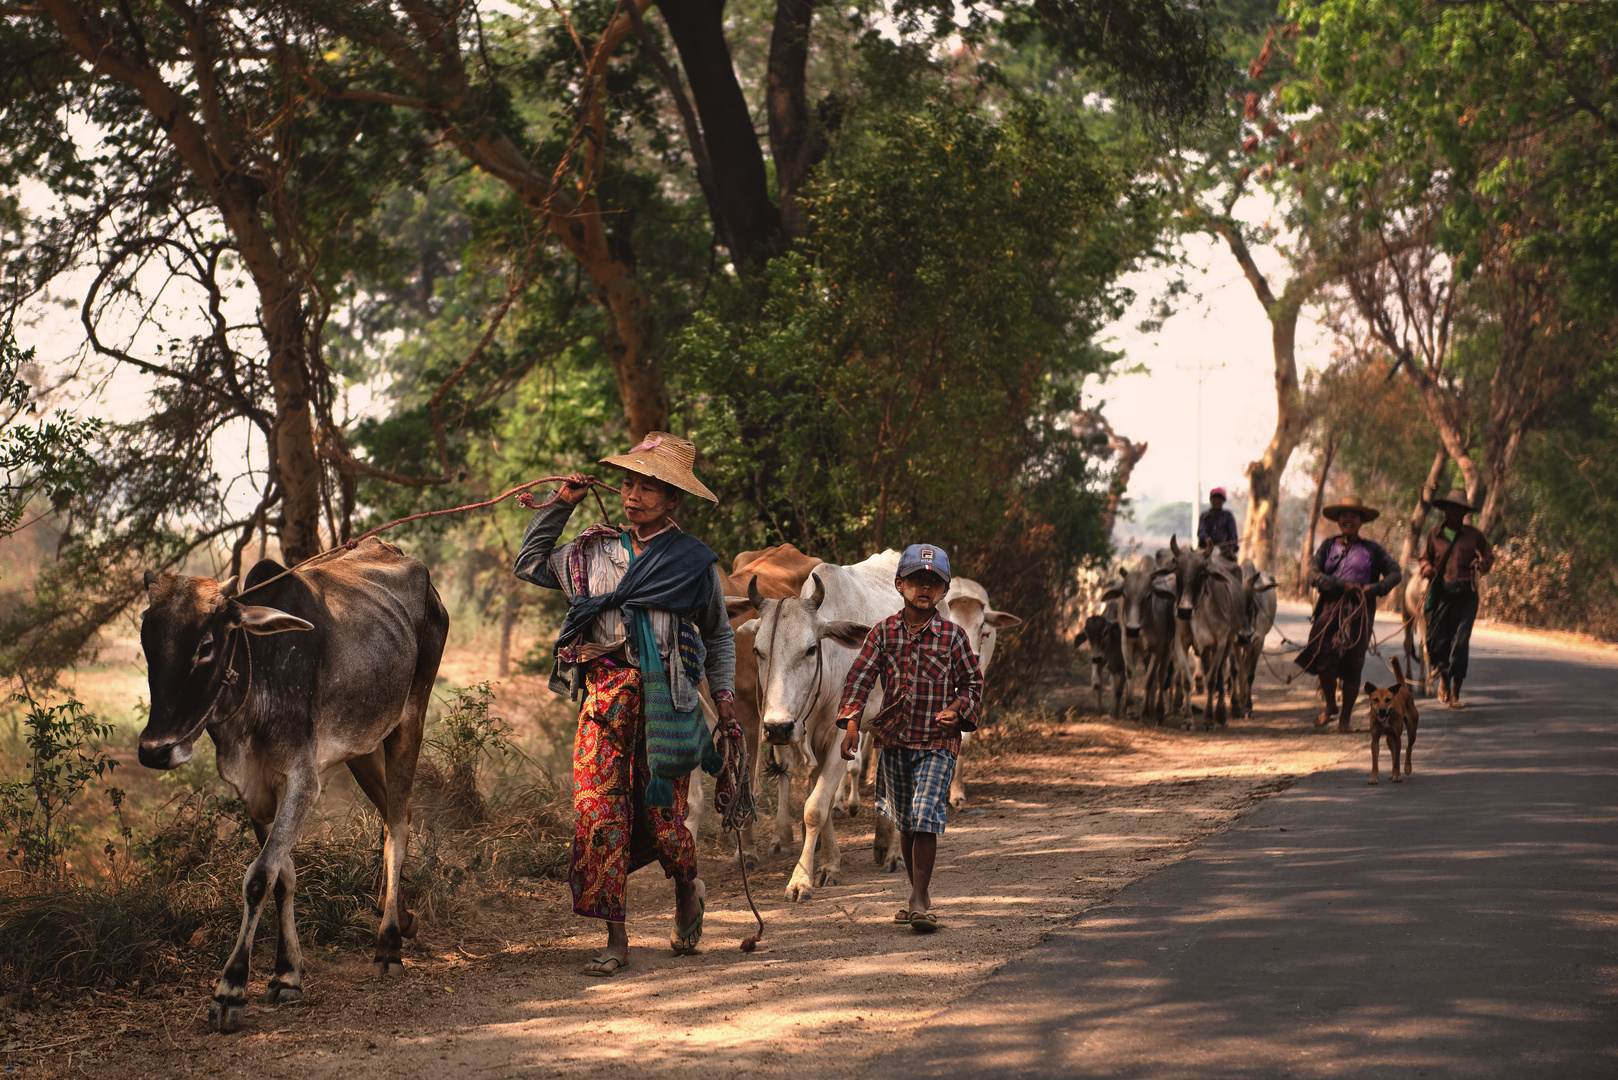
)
(741, 182)
(1500, 468)
(792, 144)
(508, 624)
(1305, 556)
(298, 465)
(1264, 475)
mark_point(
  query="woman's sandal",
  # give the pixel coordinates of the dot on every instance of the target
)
(923, 922)
(684, 942)
(598, 967)
(903, 916)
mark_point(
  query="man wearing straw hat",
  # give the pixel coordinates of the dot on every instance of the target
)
(645, 624)
(1350, 572)
(1455, 553)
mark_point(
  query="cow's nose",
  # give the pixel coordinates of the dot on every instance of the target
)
(156, 757)
(1132, 631)
(1245, 639)
(778, 734)
(1184, 613)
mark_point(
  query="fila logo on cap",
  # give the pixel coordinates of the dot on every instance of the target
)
(926, 554)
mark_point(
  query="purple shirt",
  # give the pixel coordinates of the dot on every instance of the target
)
(1351, 565)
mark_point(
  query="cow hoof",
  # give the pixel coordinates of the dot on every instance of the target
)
(747, 862)
(407, 924)
(799, 892)
(957, 804)
(828, 876)
(224, 1016)
(282, 994)
(890, 863)
(389, 967)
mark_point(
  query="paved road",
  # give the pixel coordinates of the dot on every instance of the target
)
(1459, 924)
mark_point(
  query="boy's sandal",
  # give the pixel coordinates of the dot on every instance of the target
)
(605, 966)
(903, 916)
(923, 922)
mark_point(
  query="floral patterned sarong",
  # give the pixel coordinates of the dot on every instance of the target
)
(616, 832)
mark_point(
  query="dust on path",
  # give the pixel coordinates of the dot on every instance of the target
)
(1056, 823)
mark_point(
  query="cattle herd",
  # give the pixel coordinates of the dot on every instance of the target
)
(1183, 619)
(335, 664)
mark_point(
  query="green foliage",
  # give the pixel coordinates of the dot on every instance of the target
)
(42, 456)
(1483, 105)
(64, 761)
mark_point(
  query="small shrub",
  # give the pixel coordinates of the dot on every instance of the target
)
(461, 740)
(63, 761)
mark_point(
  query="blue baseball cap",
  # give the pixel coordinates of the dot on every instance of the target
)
(924, 557)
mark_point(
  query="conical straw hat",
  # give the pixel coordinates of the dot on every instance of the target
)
(1354, 503)
(664, 457)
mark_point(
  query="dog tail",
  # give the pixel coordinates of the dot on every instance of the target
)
(1398, 672)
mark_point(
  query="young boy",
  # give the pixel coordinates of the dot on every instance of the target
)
(932, 684)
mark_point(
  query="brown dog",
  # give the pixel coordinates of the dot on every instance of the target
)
(1393, 713)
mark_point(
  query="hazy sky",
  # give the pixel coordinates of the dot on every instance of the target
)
(1226, 331)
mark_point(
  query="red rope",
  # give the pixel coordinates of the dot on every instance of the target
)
(590, 481)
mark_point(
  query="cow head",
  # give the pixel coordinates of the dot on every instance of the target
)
(1191, 570)
(1254, 585)
(1134, 593)
(788, 636)
(190, 633)
(967, 606)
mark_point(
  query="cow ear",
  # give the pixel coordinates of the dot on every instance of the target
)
(748, 627)
(847, 633)
(1163, 586)
(256, 619)
(1265, 583)
(735, 605)
(1001, 620)
(1113, 592)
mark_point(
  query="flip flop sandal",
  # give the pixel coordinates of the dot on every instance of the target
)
(903, 916)
(598, 966)
(684, 942)
(923, 922)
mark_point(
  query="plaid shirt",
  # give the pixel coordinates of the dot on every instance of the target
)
(931, 669)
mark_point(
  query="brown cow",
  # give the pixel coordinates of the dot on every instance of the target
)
(781, 573)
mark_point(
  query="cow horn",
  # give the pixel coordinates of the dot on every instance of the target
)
(228, 586)
(753, 594)
(819, 596)
(1174, 545)
(148, 578)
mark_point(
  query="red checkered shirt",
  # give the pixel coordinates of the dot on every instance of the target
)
(931, 668)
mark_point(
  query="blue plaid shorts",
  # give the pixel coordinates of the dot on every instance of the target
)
(912, 788)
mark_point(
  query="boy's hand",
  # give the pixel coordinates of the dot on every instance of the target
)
(851, 741)
(947, 718)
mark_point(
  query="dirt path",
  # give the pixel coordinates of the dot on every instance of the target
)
(1060, 819)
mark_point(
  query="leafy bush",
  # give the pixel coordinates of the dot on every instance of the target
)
(64, 760)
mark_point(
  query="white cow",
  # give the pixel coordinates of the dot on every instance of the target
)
(806, 647)
(1208, 591)
(1258, 615)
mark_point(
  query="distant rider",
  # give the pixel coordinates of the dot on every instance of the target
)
(1218, 526)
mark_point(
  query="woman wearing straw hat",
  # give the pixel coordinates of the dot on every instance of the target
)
(1350, 572)
(645, 624)
(1455, 553)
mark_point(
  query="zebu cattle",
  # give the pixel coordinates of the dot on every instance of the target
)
(781, 572)
(1107, 666)
(1208, 596)
(1258, 616)
(805, 647)
(1145, 600)
(967, 606)
(331, 665)
(1413, 600)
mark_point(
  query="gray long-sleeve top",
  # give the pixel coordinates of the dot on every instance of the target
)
(539, 561)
